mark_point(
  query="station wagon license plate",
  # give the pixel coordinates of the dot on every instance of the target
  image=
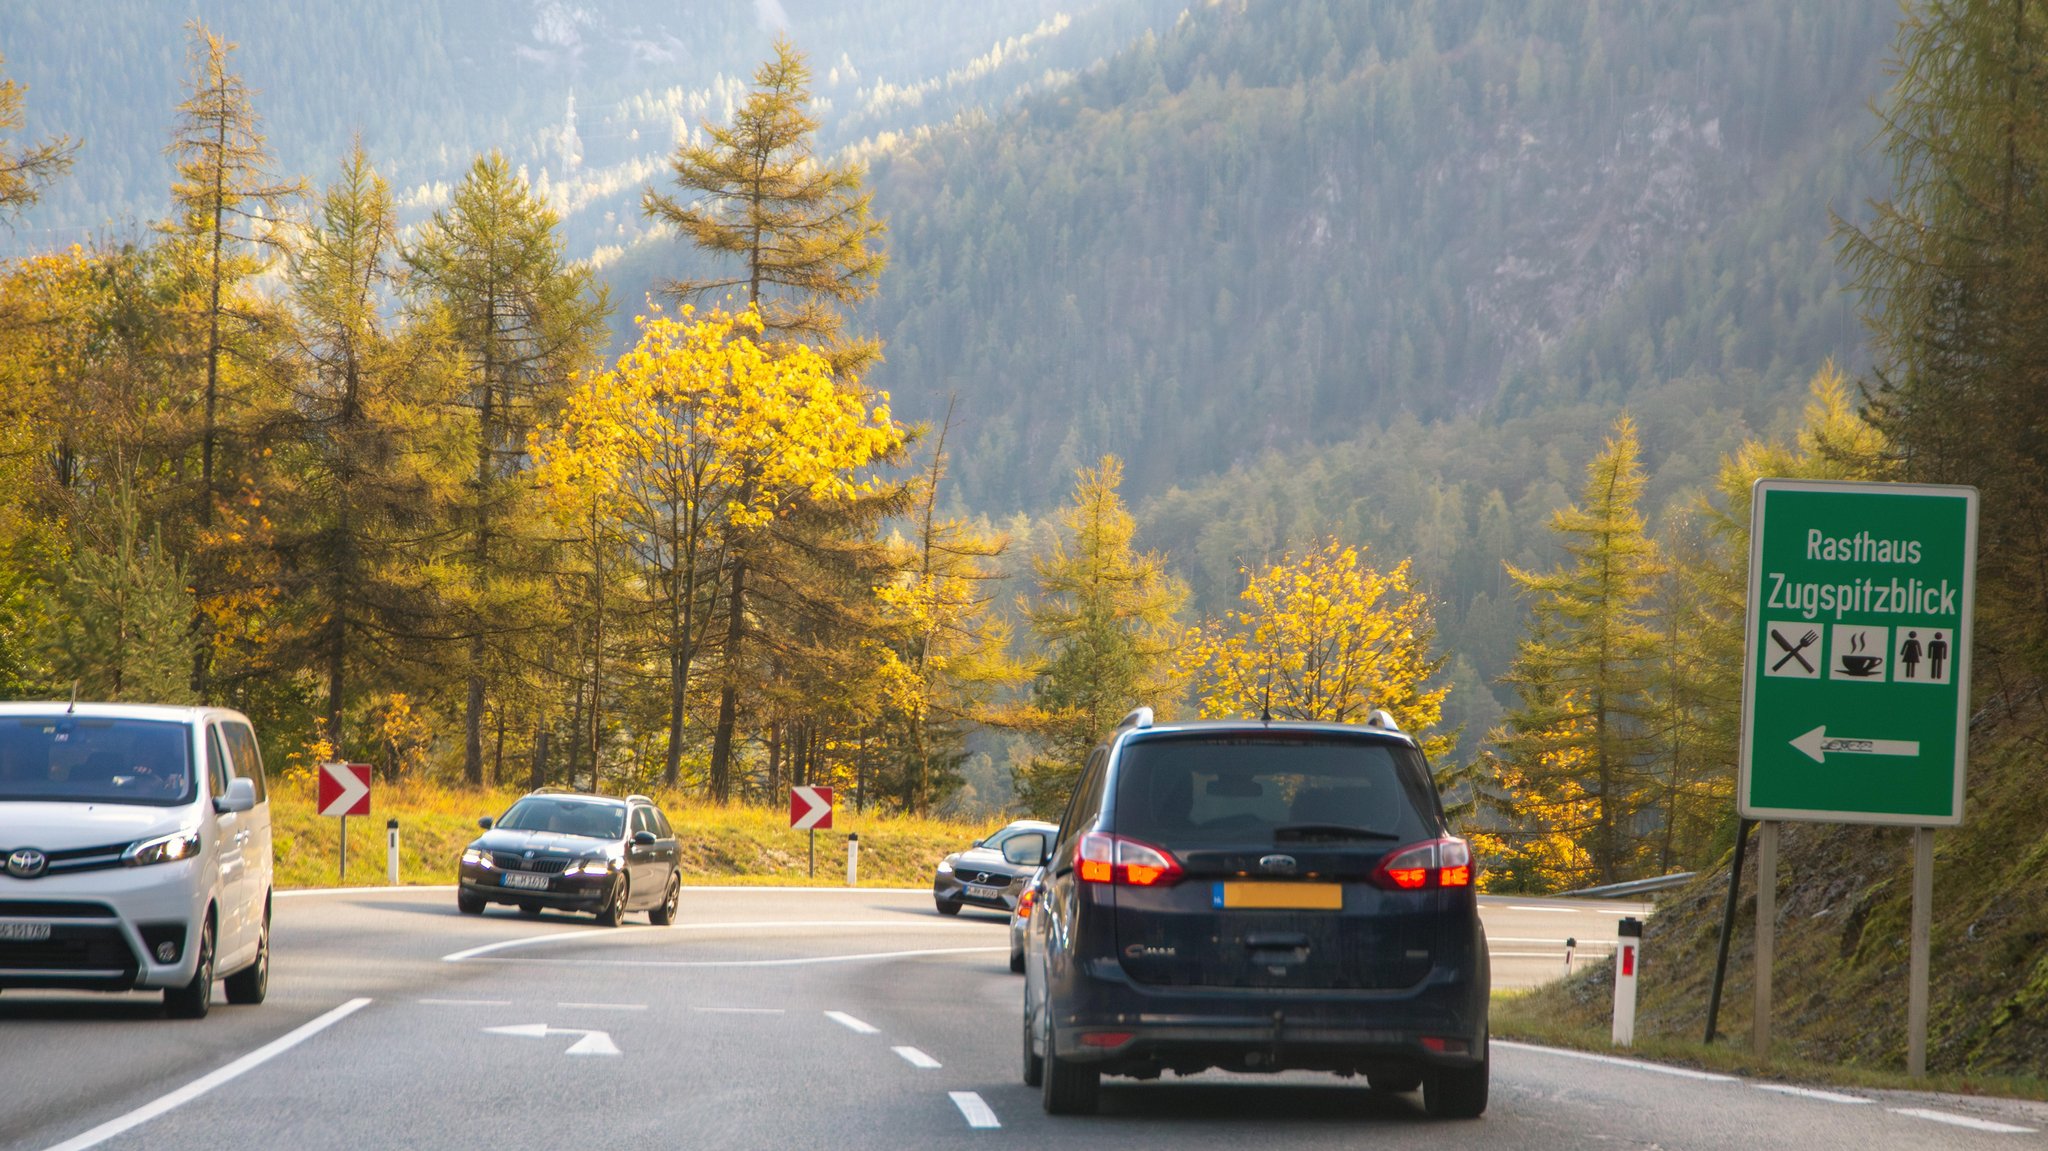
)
(977, 892)
(529, 882)
(1279, 896)
(24, 932)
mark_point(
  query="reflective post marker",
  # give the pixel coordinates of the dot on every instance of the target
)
(1627, 957)
(1569, 944)
(853, 860)
(391, 852)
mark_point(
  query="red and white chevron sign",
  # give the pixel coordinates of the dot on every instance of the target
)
(810, 808)
(344, 789)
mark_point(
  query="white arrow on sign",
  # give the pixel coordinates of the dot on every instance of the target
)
(591, 1043)
(1818, 743)
(808, 808)
(353, 789)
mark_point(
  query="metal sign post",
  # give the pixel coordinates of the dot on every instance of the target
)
(1856, 681)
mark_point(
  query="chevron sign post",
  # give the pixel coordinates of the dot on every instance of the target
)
(344, 791)
(810, 808)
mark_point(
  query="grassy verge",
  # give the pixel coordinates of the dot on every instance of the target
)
(720, 844)
(1533, 1017)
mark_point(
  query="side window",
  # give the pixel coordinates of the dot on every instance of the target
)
(661, 826)
(248, 762)
(216, 763)
(642, 821)
(1081, 808)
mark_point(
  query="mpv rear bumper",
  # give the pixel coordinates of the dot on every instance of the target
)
(1128, 1028)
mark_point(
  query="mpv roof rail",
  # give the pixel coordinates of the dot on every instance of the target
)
(1382, 719)
(1139, 717)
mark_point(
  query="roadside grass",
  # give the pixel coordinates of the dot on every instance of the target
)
(720, 845)
(1524, 1016)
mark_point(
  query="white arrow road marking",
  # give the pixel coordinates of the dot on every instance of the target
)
(978, 1113)
(353, 788)
(1809, 1093)
(591, 1043)
(916, 1058)
(1962, 1121)
(852, 1024)
(1818, 743)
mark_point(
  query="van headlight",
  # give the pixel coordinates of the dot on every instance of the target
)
(163, 849)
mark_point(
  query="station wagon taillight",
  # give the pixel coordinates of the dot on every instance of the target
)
(1432, 863)
(1104, 858)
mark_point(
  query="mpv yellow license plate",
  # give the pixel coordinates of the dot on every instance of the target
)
(1252, 894)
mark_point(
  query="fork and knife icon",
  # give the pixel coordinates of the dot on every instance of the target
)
(1792, 651)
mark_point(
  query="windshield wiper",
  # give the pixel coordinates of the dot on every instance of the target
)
(1329, 831)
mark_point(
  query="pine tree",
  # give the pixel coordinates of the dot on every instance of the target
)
(1584, 674)
(799, 229)
(24, 170)
(1104, 615)
(524, 321)
(121, 611)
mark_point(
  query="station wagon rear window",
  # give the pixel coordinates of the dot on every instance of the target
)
(76, 759)
(1200, 790)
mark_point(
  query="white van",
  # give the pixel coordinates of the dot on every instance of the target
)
(135, 852)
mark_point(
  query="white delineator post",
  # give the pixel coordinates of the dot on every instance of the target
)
(1627, 957)
(391, 852)
(853, 860)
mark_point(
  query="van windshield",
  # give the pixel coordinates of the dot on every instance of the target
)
(1245, 789)
(80, 759)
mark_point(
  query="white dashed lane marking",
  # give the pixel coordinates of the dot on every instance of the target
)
(1971, 1122)
(604, 1006)
(977, 1113)
(852, 1024)
(916, 1058)
(1809, 1093)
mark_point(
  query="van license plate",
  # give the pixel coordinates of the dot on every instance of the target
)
(529, 882)
(1280, 896)
(24, 932)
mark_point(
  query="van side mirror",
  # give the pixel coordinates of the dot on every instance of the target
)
(484, 823)
(240, 796)
(1027, 850)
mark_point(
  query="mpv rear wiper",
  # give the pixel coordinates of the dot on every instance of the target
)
(1328, 831)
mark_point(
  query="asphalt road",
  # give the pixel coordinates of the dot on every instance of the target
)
(787, 1019)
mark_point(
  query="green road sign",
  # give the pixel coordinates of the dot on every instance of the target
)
(1856, 681)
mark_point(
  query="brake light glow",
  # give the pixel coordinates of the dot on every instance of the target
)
(1431, 863)
(1104, 858)
(1105, 1038)
(1024, 903)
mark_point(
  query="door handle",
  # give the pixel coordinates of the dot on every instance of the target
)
(241, 837)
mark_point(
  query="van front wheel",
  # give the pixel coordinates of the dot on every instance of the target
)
(252, 983)
(192, 1000)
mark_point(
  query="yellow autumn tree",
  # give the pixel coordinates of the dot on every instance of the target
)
(1550, 814)
(693, 442)
(1323, 636)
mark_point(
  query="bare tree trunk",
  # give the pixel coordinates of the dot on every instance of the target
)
(728, 695)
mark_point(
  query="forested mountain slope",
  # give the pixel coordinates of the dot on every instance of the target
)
(1283, 224)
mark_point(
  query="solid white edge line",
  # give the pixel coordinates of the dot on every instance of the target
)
(1638, 1064)
(977, 1113)
(1962, 1121)
(852, 1024)
(211, 1080)
(806, 961)
(289, 893)
(916, 1058)
(1810, 1093)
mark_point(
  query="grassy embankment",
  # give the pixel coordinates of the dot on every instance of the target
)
(1840, 981)
(720, 844)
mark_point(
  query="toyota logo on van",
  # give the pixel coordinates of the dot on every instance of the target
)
(27, 863)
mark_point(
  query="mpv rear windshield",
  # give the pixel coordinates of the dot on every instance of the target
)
(77, 759)
(1258, 788)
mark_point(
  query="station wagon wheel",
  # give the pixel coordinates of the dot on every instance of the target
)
(192, 1000)
(664, 913)
(614, 911)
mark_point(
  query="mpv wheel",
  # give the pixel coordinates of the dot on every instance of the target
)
(664, 913)
(252, 983)
(1456, 1092)
(1070, 1088)
(192, 1000)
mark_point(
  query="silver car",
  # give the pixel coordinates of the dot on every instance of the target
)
(981, 877)
(1020, 919)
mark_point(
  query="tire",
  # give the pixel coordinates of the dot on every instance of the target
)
(1456, 1092)
(946, 908)
(613, 913)
(194, 999)
(1395, 1083)
(1069, 1088)
(1016, 963)
(252, 983)
(1034, 1063)
(468, 904)
(664, 913)
(530, 910)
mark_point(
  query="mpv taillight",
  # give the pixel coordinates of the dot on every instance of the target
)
(1104, 858)
(1433, 863)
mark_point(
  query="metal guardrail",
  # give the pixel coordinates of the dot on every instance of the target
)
(1633, 886)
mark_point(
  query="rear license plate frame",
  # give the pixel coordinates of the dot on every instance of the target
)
(1269, 895)
(526, 881)
(980, 891)
(25, 932)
